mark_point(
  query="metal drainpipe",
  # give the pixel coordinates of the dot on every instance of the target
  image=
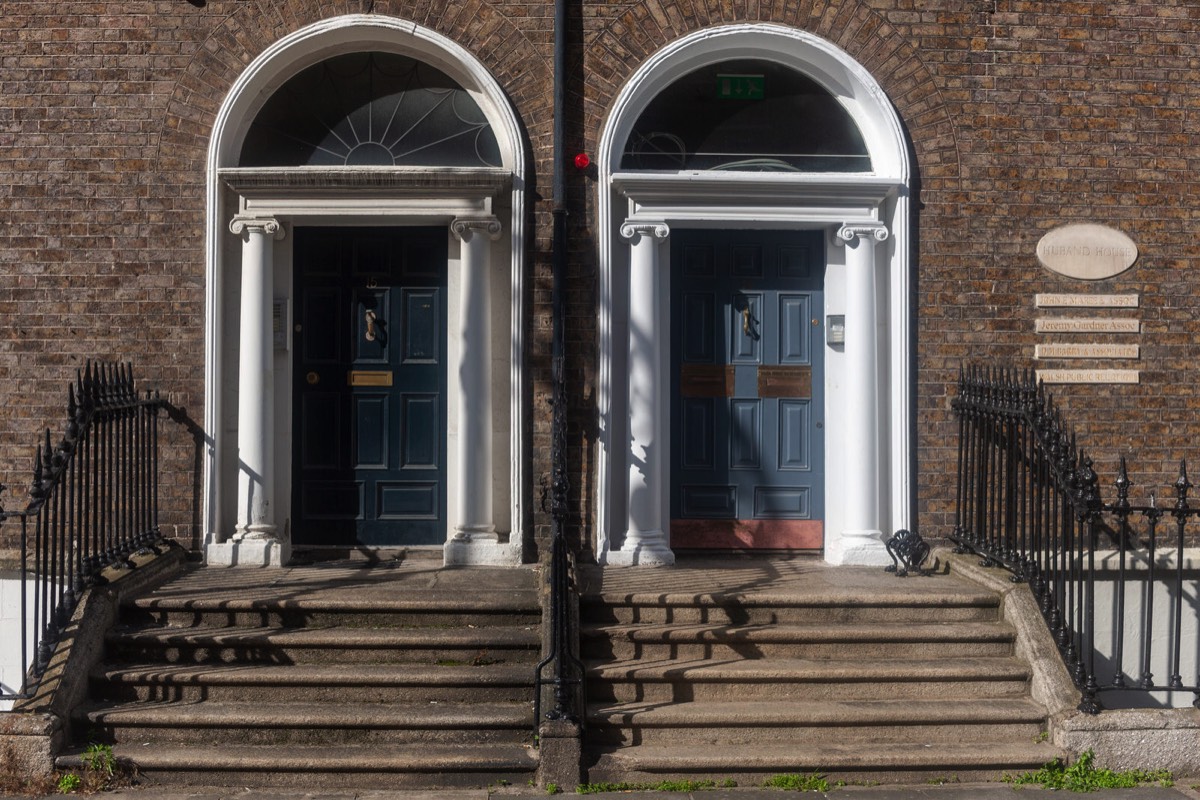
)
(558, 455)
(560, 480)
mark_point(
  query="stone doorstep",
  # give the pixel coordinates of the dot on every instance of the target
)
(831, 758)
(327, 765)
(398, 600)
(764, 713)
(360, 603)
(809, 670)
(839, 714)
(506, 637)
(302, 675)
(956, 595)
(704, 633)
(391, 716)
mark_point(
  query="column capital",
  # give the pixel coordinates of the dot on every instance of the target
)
(632, 230)
(465, 227)
(851, 231)
(265, 225)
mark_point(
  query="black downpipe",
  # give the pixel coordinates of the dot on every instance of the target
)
(559, 654)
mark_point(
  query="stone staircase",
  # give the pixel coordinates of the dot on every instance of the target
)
(866, 680)
(322, 677)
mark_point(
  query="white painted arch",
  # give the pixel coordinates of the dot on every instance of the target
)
(877, 201)
(368, 196)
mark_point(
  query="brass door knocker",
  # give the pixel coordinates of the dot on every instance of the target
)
(370, 316)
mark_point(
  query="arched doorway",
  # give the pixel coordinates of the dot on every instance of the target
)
(366, 219)
(781, 199)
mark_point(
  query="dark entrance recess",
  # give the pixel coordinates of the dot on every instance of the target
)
(369, 387)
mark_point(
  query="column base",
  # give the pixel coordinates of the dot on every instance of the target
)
(475, 533)
(858, 548)
(248, 553)
(642, 549)
(479, 552)
(261, 531)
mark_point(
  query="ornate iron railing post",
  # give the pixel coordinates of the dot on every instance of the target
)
(1182, 486)
(84, 501)
(1029, 500)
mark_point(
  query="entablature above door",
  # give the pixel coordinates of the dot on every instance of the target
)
(750, 200)
(343, 192)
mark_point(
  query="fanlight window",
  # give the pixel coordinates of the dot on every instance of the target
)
(746, 115)
(370, 109)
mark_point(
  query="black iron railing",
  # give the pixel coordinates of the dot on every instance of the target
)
(93, 502)
(564, 667)
(1029, 500)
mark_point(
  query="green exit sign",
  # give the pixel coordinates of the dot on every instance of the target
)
(740, 87)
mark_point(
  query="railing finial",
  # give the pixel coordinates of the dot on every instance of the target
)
(1122, 483)
(68, 557)
(1182, 485)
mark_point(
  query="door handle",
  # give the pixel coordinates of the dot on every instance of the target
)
(748, 324)
(370, 317)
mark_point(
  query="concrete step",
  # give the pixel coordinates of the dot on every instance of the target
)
(303, 723)
(426, 609)
(816, 722)
(809, 679)
(326, 644)
(329, 767)
(856, 761)
(954, 605)
(813, 640)
(364, 683)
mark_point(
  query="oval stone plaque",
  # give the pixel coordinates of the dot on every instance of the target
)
(1086, 251)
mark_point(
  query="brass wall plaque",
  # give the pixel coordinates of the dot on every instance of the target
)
(706, 380)
(369, 377)
(785, 381)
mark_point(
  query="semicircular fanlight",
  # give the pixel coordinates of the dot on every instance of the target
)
(370, 109)
(746, 115)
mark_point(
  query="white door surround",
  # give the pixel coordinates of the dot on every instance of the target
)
(867, 279)
(250, 211)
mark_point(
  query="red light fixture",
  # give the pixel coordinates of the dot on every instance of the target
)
(582, 161)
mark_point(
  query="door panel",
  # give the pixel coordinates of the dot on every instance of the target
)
(369, 390)
(747, 443)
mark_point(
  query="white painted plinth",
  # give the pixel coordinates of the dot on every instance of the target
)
(657, 554)
(248, 553)
(858, 549)
(480, 553)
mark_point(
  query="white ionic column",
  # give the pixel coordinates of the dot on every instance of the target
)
(474, 539)
(862, 537)
(255, 542)
(474, 494)
(646, 541)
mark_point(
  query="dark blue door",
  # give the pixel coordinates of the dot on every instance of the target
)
(369, 391)
(747, 357)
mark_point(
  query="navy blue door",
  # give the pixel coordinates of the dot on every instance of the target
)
(369, 390)
(747, 357)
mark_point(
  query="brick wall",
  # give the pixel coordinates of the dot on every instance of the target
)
(1022, 116)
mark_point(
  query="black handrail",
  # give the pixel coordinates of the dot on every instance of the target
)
(93, 502)
(1028, 499)
(567, 670)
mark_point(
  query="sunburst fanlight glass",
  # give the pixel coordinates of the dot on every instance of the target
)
(371, 109)
(746, 115)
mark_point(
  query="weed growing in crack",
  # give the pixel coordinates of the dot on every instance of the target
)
(661, 786)
(813, 782)
(1084, 776)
